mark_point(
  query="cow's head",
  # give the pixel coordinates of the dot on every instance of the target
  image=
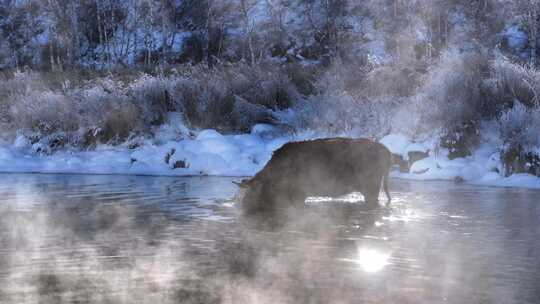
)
(252, 197)
(244, 184)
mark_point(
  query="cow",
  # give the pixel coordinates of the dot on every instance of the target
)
(321, 167)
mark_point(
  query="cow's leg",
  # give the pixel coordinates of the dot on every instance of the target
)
(372, 199)
(371, 190)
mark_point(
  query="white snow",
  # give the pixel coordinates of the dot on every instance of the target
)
(401, 145)
(396, 143)
(209, 134)
(209, 153)
(481, 168)
(516, 180)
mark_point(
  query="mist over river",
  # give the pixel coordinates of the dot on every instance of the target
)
(141, 239)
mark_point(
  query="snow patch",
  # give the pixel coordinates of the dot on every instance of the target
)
(396, 143)
(209, 134)
(401, 145)
(209, 153)
(481, 168)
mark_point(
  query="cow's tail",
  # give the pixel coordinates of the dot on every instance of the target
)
(386, 176)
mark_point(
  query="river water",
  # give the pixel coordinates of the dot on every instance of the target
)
(134, 239)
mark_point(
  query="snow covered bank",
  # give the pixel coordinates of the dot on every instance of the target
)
(211, 153)
(481, 168)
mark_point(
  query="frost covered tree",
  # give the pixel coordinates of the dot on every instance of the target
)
(20, 31)
(530, 12)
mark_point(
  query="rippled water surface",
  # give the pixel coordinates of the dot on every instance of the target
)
(126, 239)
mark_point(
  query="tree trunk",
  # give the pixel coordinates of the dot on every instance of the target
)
(534, 33)
(100, 31)
(245, 16)
(51, 56)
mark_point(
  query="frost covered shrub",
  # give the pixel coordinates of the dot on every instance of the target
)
(343, 114)
(341, 106)
(230, 98)
(18, 83)
(111, 108)
(213, 106)
(46, 112)
(519, 128)
(211, 103)
(391, 81)
(120, 121)
(333, 114)
(332, 110)
(407, 116)
(203, 98)
(265, 84)
(302, 77)
(105, 111)
(272, 92)
(26, 102)
(449, 99)
(363, 99)
(451, 90)
(509, 82)
(90, 103)
(12, 87)
(342, 77)
(151, 95)
(31, 104)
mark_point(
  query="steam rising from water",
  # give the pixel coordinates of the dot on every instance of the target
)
(95, 240)
(92, 253)
(74, 255)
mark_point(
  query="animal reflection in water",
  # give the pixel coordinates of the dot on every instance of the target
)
(322, 167)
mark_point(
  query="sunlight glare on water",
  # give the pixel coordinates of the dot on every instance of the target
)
(406, 215)
(352, 198)
(371, 260)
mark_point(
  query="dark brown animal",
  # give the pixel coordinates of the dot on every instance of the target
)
(322, 167)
